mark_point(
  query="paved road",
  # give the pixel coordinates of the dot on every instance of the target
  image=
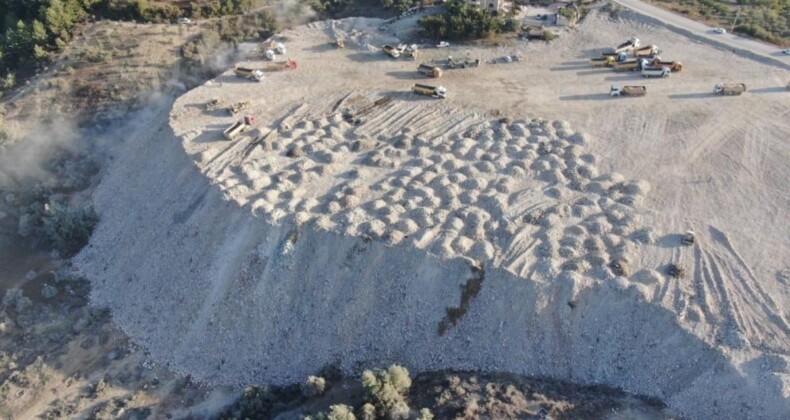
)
(705, 33)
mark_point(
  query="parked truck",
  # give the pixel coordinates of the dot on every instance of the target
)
(628, 46)
(647, 51)
(628, 65)
(673, 65)
(606, 61)
(391, 51)
(434, 91)
(616, 90)
(729, 88)
(248, 73)
(656, 72)
(430, 71)
(289, 64)
(239, 127)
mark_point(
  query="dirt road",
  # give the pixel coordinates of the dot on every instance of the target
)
(705, 33)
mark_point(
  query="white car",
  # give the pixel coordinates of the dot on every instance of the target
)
(720, 30)
(786, 52)
(443, 44)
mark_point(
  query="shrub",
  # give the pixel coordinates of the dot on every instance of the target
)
(462, 21)
(315, 385)
(425, 414)
(387, 389)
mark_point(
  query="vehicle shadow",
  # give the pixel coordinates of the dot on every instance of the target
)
(406, 75)
(369, 56)
(590, 97)
(774, 89)
(593, 72)
(212, 134)
(570, 68)
(623, 77)
(328, 46)
(698, 95)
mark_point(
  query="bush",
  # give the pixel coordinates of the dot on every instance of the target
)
(463, 21)
(315, 385)
(387, 388)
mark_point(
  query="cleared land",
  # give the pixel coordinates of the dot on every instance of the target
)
(242, 261)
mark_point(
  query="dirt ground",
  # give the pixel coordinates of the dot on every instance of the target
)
(715, 164)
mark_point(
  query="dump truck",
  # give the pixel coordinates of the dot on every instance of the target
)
(647, 51)
(627, 46)
(248, 73)
(237, 107)
(602, 62)
(628, 65)
(429, 71)
(616, 90)
(673, 65)
(729, 88)
(289, 64)
(434, 91)
(452, 63)
(656, 72)
(214, 103)
(391, 51)
(239, 127)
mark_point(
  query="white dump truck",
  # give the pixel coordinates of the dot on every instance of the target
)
(433, 91)
(391, 51)
(248, 73)
(663, 71)
(239, 127)
(729, 88)
(647, 51)
(617, 90)
(627, 46)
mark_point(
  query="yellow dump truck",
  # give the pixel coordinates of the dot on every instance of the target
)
(672, 65)
(628, 65)
(604, 61)
(430, 71)
(729, 88)
(433, 91)
(616, 90)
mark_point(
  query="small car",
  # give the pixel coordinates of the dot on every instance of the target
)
(786, 52)
(720, 30)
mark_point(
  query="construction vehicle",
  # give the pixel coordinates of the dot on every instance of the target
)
(289, 64)
(409, 51)
(688, 238)
(239, 127)
(656, 71)
(430, 71)
(391, 51)
(673, 65)
(628, 65)
(616, 90)
(214, 103)
(602, 62)
(434, 91)
(647, 51)
(452, 63)
(248, 73)
(729, 88)
(238, 107)
(627, 46)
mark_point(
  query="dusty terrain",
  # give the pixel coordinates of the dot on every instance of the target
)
(440, 235)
